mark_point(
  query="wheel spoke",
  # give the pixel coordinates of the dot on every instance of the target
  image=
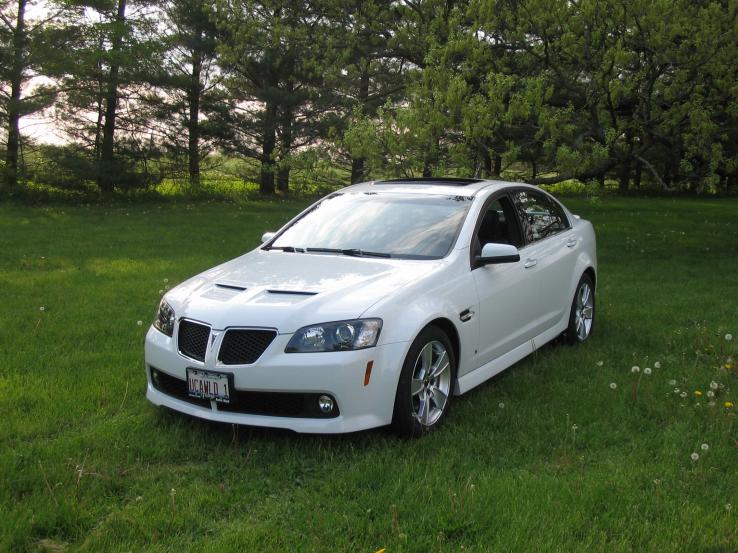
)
(416, 386)
(439, 397)
(585, 296)
(440, 365)
(587, 312)
(424, 412)
(426, 356)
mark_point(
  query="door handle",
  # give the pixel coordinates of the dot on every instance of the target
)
(571, 242)
(530, 263)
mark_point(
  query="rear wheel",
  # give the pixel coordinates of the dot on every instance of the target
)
(581, 317)
(426, 384)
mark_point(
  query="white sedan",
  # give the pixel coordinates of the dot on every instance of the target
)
(375, 306)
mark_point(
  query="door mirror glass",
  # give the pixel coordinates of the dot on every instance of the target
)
(493, 253)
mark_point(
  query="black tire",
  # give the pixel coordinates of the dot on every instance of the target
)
(409, 419)
(580, 324)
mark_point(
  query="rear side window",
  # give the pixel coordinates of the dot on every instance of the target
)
(541, 216)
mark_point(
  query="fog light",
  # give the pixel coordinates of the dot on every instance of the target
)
(325, 404)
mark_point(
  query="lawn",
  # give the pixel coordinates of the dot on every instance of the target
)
(566, 451)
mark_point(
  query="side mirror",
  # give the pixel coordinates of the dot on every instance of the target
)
(497, 253)
(267, 236)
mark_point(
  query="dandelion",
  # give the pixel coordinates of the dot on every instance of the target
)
(714, 385)
(647, 371)
(683, 395)
(635, 369)
(710, 393)
(728, 337)
(698, 393)
(161, 292)
(728, 366)
(166, 280)
(657, 364)
(728, 404)
(672, 382)
(600, 363)
(139, 323)
(695, 456)
(613, 385)
(676, 390)
(704, 447)
(501, 405)
(575, 427)
(711, 403)
(42, 308)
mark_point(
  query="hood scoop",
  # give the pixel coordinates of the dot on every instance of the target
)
(292, 292)
(282, 297)
(222, 291)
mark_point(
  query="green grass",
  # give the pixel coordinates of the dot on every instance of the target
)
(88, 464)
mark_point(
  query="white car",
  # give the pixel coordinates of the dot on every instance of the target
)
(375, 306)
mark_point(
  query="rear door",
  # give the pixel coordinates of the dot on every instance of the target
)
(547, 258)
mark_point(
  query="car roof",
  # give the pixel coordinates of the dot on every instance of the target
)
(442, 186)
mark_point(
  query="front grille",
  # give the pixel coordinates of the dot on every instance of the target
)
(275, 404)
(192, 339)
(242, 346)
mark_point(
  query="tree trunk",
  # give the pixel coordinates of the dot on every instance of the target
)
(266, 175)
(16, 80)
(497, 166)
(285, 146)
(624, 177)
(638, 174)
(106, 169)
(193, 121)
(358, 164)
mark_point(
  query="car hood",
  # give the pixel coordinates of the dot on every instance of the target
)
(287, 291)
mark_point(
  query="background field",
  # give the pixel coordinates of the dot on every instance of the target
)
(544, 457)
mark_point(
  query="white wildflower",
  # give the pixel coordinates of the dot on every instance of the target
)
(695, 456)
(672, 382)
(728, 337)
(635, 369)
(501, 405)
(657, 365)
(704, 447)
(710, 393)
(613, 385)
(714, 385)
(139, 323)
(647, 371)
(166, 280)
(42, 308)
(600, 363)
(683, 394)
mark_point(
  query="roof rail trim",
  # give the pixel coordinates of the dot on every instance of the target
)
(439, 181)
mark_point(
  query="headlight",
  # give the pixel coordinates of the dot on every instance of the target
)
(338, 336)
(164, 320)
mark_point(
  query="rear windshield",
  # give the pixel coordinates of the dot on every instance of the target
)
(407, 226)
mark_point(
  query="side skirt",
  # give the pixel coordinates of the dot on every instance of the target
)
(487, 371)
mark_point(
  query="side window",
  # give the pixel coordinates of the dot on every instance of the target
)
(499, 225)
(541, 217)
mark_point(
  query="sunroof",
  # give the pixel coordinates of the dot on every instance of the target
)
(442, 181)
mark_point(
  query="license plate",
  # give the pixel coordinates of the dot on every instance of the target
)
(208, 385)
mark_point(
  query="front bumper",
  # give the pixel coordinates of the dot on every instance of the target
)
(338, 374)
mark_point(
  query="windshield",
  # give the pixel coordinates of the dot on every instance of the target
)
(378, 224)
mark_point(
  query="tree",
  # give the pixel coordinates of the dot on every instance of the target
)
(25, 46)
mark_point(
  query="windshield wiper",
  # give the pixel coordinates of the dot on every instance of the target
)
(288, 249)
(355, 252)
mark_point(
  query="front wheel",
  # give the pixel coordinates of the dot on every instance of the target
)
(425, 388)
(581, 317)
